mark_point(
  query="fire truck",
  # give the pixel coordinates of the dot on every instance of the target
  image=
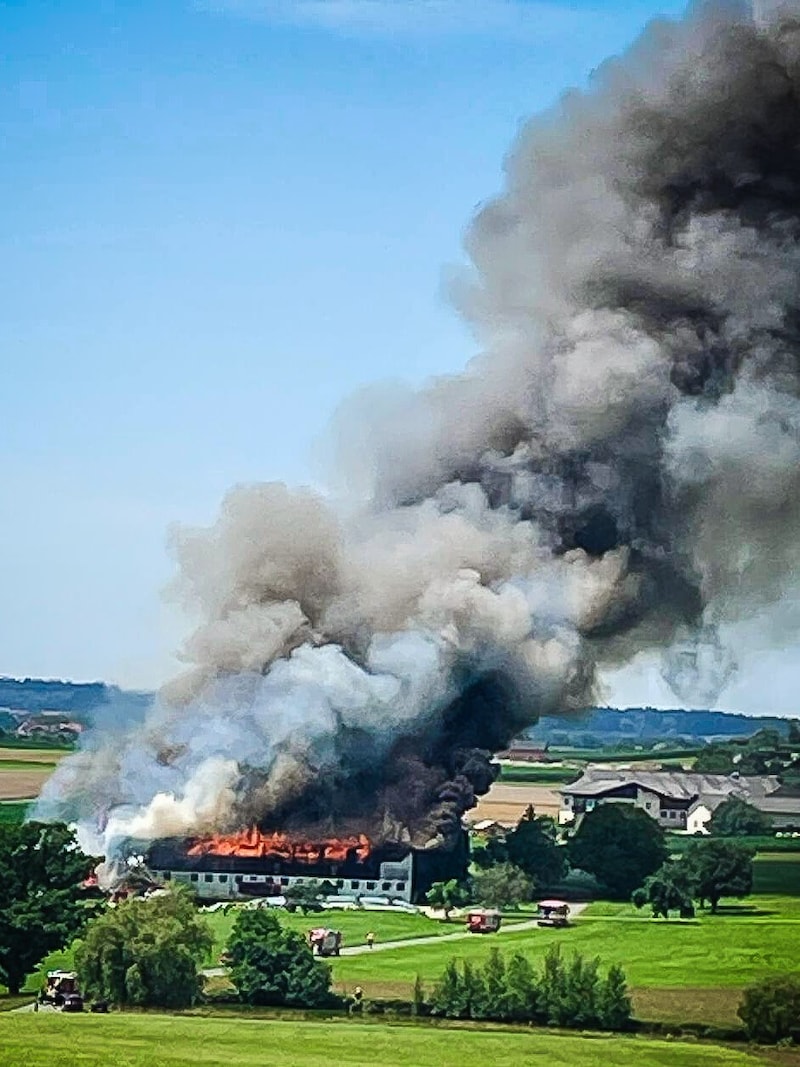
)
(483, 921)
(325, 942)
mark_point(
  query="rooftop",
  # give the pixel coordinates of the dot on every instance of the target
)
(677, 785)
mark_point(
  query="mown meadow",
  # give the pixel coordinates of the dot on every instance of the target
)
(51, 1040)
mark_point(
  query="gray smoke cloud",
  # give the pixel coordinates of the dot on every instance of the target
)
(617, 472)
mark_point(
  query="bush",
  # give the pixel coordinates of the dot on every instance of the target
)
(273, 966)
(569, 993)
(770, 1010)
(502, 886)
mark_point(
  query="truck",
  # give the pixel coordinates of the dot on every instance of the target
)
(483, 921)
(552, 913)
(325, 942)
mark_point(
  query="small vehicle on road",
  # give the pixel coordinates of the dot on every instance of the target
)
(483, 921)
(553, 913)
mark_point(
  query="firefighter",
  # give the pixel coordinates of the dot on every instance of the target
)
(371, 939)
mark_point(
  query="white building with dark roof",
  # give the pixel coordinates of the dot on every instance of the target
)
(678, 800)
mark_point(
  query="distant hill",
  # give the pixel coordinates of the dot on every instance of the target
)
(82, 701)
(611, 726)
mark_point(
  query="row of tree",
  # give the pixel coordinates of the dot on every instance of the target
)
(708, 871)
(565, 992)
(622, 847)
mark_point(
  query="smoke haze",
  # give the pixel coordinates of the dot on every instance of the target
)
(616, 473)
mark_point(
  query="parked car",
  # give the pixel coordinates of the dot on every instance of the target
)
(73, 1002)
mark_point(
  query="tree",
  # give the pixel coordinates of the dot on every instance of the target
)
(522, 991)
(490, 851)
(305, 896)
(41, 907)
(736, 818)
(532, 847)
(770, 1010)
(566, 993)
(719, 868)
(614, 1006)
(716, 758)
(620, 845)
(146, 952)
(503, 886)
(669, 889)
(447, 895)
(270, 965)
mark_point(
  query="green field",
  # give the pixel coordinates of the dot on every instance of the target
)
(50, 1040)
(26, 765)
(537, 775)
(775, 873)
(355, 925)
(13, 811)
(759, 937)
(611, 755)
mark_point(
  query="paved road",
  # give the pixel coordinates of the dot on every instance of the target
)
(383, 946)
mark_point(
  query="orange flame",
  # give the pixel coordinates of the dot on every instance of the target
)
(253, 843)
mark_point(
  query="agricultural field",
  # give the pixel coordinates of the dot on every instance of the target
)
(23, 771)
(506, 802)
(51, 1040)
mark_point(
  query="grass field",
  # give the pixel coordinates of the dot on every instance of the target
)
(743, 943)
(355, 925)
(777, 872)
(555, 776)
(13, 812)
(50, 1040)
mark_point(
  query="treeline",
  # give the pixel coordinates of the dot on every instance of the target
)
(569, 993)
(80, 700)
(599, 727)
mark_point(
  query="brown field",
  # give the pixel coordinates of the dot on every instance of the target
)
(33, 755)
(22, 785)
(688, 1005)
(506, 803)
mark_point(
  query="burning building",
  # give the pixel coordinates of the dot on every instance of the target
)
(616, 475)
(248, 864)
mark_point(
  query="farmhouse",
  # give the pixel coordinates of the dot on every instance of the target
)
(677, 800)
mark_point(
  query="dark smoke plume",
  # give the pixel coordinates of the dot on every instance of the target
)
(618, 471)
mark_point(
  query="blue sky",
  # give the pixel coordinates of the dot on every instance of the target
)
(218, 219)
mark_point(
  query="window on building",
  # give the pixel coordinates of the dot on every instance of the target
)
(340, 883)
(167, 876)
(208, 877)
(238, 879)
(401, 886)
(193, 877)
(370, 885)
(386, 886)
(284, 881)
(223, 878)
(354, 885)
